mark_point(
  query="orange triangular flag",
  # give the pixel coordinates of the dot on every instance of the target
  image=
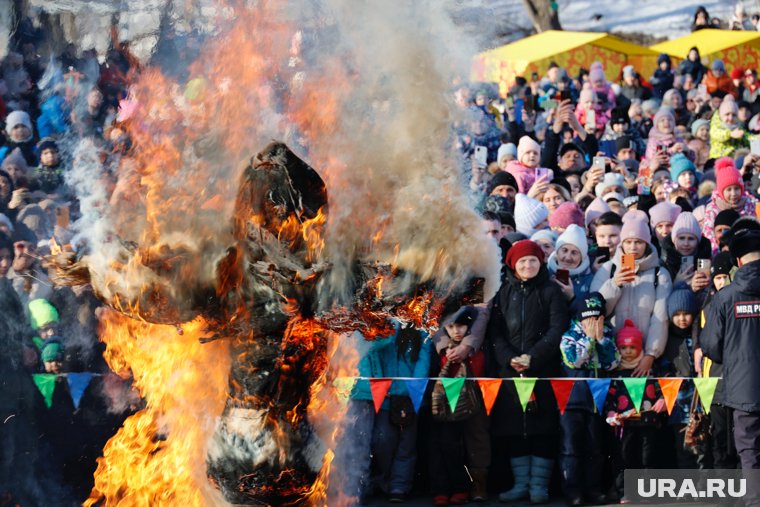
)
(562, 390)
(379, 388)
(490, 389)
(669, 388)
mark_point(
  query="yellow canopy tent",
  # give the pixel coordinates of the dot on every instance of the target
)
(735, 48)
(571, 50)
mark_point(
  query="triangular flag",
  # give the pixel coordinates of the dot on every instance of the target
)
(706, 389)
(599, 388)
(636, 387)
(670, 388)
(524, 386)
(562, 390)
(78, 382)
(343, 387)
(379, 388)
(489, 387)
(416, 389)
(453, 388)
(45, 382)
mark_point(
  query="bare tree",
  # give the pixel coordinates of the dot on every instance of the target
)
(544, 14)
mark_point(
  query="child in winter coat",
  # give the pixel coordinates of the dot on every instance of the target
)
(729, 194)
(700, 142)
(639, 294)
(663, 77)
(634, 446)
(448, 475)
(662, 137)
(681, 250)
(588, 102)
(726, 133)
(588, 350)
(683, 172)
(48, 176)
(524, 168)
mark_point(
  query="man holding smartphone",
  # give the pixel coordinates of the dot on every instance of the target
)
(569, 158)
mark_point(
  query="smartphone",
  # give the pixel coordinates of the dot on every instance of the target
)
(599, 162)
(519, 106)
(754, 145)
(629, 262)
(62, 217)
(659, 148)
(687, 260)
(510, 102)
(565, 95)
(563, 276)
(540, 172)
(481, 156)
(549, 104)
(704, 266)
(603, 253)
(591, 119)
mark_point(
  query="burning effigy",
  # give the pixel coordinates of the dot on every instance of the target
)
(233, 268)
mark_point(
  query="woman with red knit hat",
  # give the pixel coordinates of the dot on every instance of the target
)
(729, 193)
(527, 319)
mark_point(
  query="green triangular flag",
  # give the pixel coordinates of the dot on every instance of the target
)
(706, 389)
(343, 387)
(453, 388)
(524, 387)
(635, 387)
(45, 382)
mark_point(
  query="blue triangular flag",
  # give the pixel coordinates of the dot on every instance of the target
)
(599, 388)
(416, 388)
(78, 382)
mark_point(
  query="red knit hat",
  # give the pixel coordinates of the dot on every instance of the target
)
(726, 174)
(737, 73)
(630, 336)
(521, 249)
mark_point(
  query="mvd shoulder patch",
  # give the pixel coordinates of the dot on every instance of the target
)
(747, 309)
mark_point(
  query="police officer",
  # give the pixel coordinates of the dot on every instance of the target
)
(732, 336)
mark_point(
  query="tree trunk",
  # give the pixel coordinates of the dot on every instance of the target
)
(543, 15)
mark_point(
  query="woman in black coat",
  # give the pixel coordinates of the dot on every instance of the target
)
(527, 318)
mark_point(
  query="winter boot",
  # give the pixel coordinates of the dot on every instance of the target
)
(479, 484)
(540, 474)
(521, 473)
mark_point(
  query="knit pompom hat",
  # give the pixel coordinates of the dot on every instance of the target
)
(682, 300)
(635, 226)
(630, 336)
(686, 223)
(566, 214)
(726, 174)
(576, 236)
(596, 209)
(680, 163)
(663, 212)
(529, 213)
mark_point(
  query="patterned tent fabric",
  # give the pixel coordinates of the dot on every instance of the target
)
(571, 50)
(736, 48)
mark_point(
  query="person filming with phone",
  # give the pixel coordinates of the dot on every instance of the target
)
(636, 288)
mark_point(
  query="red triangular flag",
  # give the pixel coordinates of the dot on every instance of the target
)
(562, 390)
(490, 389)
(379, 388)
(669, 388)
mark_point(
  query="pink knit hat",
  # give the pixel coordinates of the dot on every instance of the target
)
(587, 95)
(635, 226)
(567, 213)
(525, 144)
(726, 174)
(728, 105)
(686, 223)
(596, 209)
(663, 212)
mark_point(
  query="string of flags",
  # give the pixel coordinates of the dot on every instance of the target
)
(562, 388)
(77, 382)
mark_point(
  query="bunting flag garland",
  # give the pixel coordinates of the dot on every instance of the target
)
(379, 388)
(78, 382)
(635, 387)
(453, 388)
(670, 388)
(599, 388)
(706, 389)
(490, 389)
(416, 389)
(562, 390)
(343, 387)
(524, 387)
(45, 382)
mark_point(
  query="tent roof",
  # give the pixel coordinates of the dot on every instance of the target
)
(708, 41)
(552, 42)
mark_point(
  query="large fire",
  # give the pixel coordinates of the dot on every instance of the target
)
(227, 281)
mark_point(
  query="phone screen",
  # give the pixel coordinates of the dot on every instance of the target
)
(591, 118)
(565, 95)
(754, 146)
(563, 276)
